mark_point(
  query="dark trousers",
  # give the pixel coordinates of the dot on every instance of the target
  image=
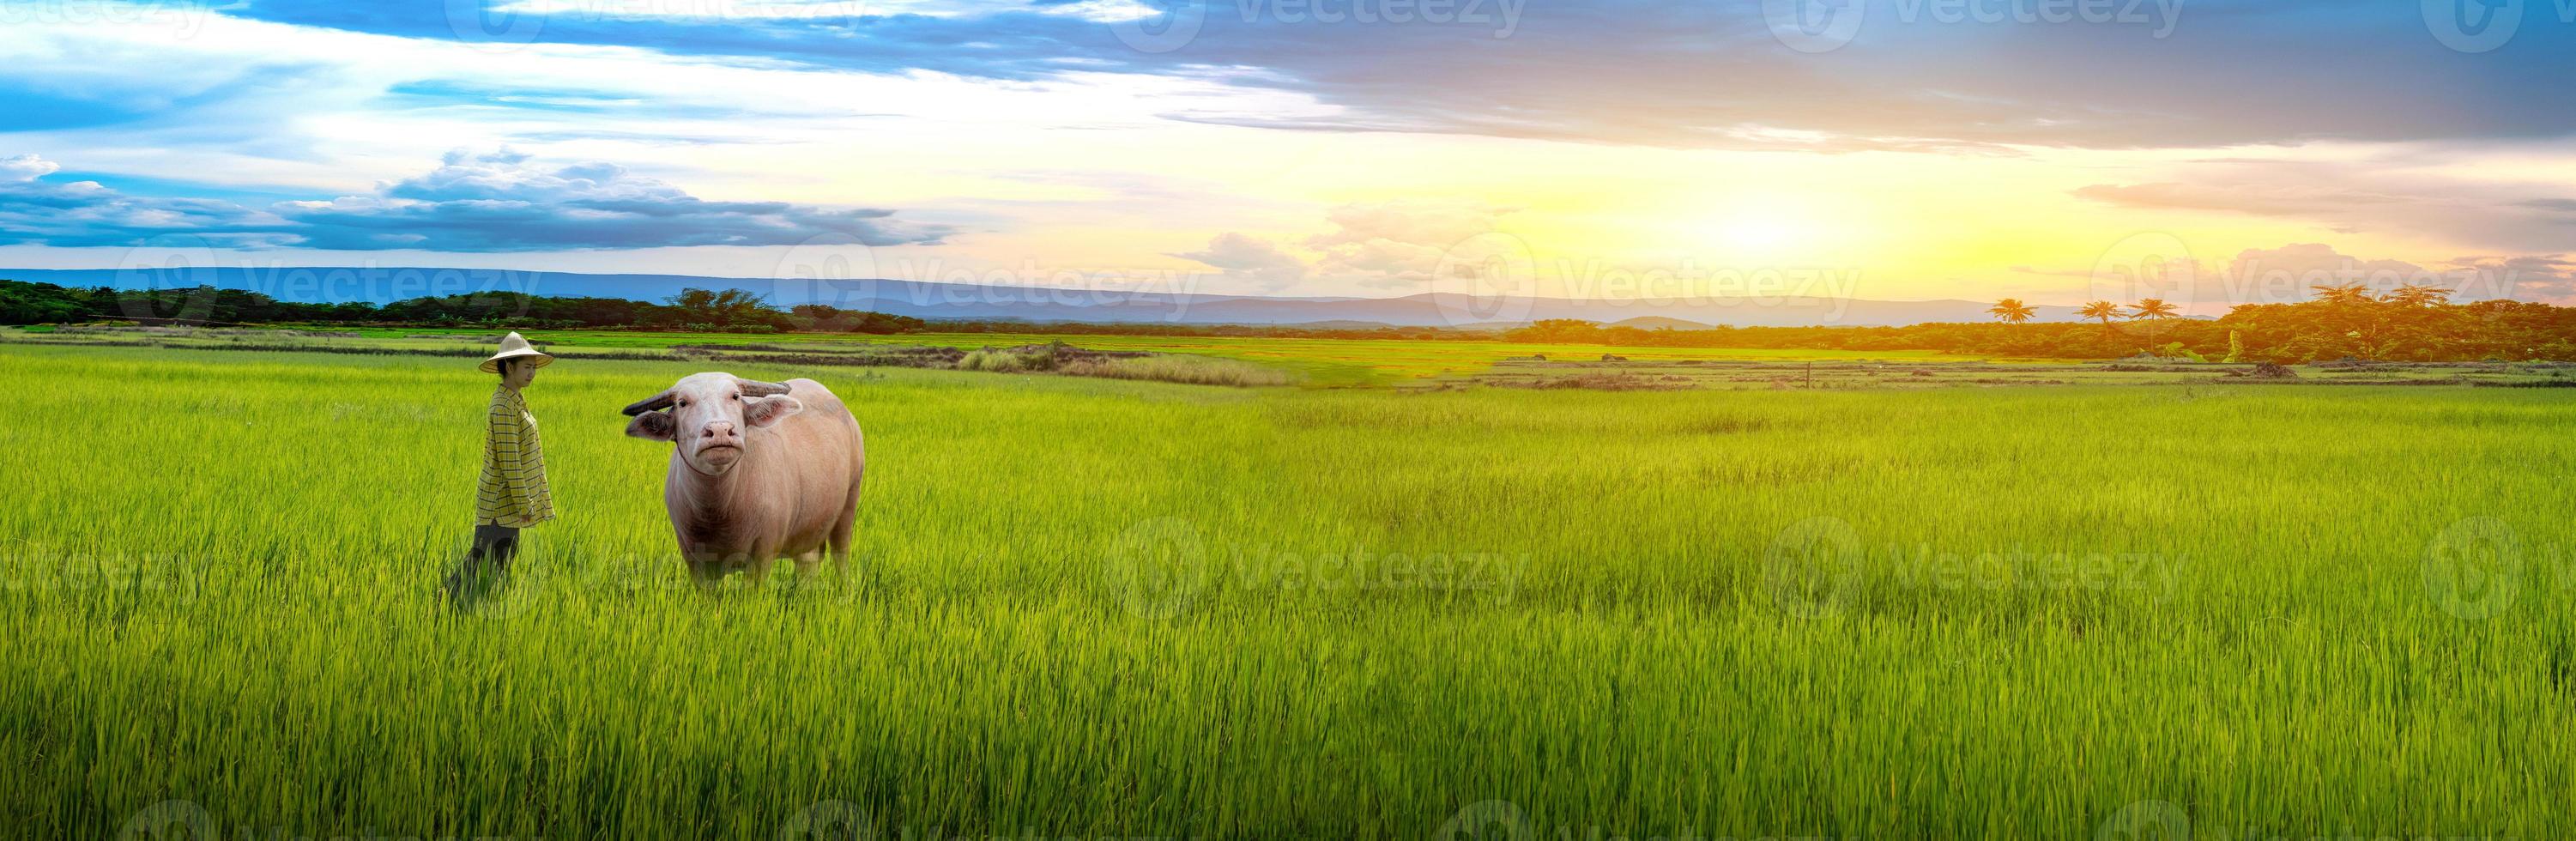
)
(494, 546)
(485, 565)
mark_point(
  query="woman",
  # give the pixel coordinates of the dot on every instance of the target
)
(513, 493)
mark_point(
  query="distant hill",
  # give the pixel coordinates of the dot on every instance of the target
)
(944, 301)
(1657, 322)
(1343, 325)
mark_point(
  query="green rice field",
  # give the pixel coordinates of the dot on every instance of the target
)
(1086, 607)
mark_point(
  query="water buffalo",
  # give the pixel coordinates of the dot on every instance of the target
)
(760, 471)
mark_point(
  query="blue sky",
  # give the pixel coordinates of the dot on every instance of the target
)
(1944, 147)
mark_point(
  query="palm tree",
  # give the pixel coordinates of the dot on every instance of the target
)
(2154, 308)
(2011, 310)
(2343, 293)
(2103, 310)
(2420, 295)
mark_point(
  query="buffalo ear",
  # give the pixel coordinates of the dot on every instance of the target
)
(768, 411)
(652, 426)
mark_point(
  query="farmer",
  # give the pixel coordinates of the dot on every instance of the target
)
(513, 494)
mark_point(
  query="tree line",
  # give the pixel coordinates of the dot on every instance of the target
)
(694, 310)
(2414, 324)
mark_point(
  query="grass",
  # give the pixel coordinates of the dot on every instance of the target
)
(1088, 607)
(1315, 362)
(1194, 370)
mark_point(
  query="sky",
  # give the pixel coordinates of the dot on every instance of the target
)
(2209, 152)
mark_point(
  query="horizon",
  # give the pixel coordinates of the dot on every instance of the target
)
(1925, 151)
(384, 285)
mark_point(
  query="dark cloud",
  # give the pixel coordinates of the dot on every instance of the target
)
(86, 213)
(1652, 72)
(494, 202)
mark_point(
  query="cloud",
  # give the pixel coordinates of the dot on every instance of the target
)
(2406, 192)
(1403, 244)
(1248, 258)
(1411, 246)
(494, 202)
(1649, 72)
(86, 213)
(2258, 199)
(2547, 278)
(2290, 273)
(26, 168)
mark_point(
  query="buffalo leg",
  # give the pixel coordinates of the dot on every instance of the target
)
(840, 543)
(708, 574)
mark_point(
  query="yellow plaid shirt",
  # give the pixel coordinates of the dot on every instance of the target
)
(514, 468)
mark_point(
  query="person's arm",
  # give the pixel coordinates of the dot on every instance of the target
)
(509, 456)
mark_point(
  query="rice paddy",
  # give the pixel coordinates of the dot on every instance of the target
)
(1094, 607)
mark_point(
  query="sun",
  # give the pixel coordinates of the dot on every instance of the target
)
(1755, 233)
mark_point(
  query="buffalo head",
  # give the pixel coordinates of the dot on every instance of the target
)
(707, 415)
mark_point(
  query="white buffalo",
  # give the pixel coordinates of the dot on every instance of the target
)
(759, 471)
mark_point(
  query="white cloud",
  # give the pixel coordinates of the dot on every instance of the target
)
(1396, 245)
(2391, 192)
(26, 168)
(1250, 258)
